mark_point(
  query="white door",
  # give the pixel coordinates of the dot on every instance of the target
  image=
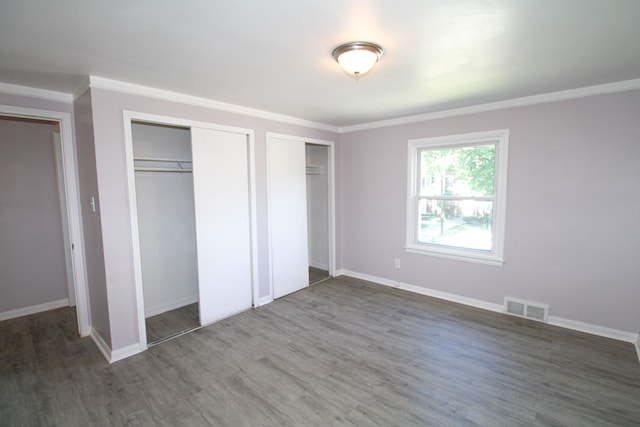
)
(287, 215)
(223, 229)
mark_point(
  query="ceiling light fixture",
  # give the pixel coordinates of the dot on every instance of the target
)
(357, 58)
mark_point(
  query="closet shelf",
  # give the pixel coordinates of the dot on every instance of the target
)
(315, 170)
(163, 170)
(160, 159)
(156, 164)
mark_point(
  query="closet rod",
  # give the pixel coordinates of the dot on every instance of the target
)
(162, 170)
(315, 170)
(158, 159)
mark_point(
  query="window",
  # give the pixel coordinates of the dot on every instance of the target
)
(456, 196)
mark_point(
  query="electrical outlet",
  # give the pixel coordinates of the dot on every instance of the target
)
(396, 263)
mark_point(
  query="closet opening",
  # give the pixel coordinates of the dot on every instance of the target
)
(318, 218)
(301, 212)
(192, 210)
(166, 228)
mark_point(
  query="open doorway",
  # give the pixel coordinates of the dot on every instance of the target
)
(41, 243)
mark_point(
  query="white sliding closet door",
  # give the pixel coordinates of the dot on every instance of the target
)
(223, 229)
(288, 216)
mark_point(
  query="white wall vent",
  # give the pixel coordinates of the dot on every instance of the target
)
(528, 309)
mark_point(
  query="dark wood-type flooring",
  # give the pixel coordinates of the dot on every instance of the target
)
(343, 352)
(172, 322)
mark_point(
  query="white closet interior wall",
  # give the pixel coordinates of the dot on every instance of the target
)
(166, 217)
(317, 159)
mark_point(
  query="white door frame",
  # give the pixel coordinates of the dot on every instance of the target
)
(134, 116)
(331, 207)
(74, 212)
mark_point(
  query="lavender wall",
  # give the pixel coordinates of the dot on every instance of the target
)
(572, 235)
(107, 107)
(573, 209)
(91, 221)
(32, 258)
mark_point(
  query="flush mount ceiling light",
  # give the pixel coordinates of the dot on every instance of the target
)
(357, 58)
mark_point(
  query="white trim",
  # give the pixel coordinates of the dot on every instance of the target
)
(62, 202)
(331, 196)
(128, 118)
(39, 308)
(124, 352)
(562, 95)
(150, 92)
(318, 265)
(264, 301)
(110, 355)
(33, 92)
(135, 231)
(592, 329)
(637, 344)
(453, 254)
(101, 344)
(186, 123)
(426, 291)
(74, 212)
(133, 89)
(332, 210)
(172, 305)
(498, 308)
(496, 255)
(253, 218)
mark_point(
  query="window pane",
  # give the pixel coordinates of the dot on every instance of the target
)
(458, 171)
(465, 223)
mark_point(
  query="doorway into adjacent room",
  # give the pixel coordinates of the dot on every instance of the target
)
(41, 245)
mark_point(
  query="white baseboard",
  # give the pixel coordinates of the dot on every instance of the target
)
(553, 320)
(424, 291)
(264, 301)
(25, 311)
(593, 329)
(101, 344)
(123, 353)
(319, 265)
(170, 305)
(110, 355)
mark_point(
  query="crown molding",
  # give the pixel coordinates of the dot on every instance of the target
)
(500, 105)
(32, 92)
(134, 89)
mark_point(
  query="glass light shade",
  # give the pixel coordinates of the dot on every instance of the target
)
(357, 61)
(357, 58)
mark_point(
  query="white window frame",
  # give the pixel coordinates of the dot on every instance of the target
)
(496, 255)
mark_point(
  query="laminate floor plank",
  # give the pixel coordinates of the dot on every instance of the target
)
(172, 322)
(317, 275)
(343, 352)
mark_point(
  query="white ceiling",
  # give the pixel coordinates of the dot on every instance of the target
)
(276, 55)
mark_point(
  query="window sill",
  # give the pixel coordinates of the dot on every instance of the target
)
(459, 255)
